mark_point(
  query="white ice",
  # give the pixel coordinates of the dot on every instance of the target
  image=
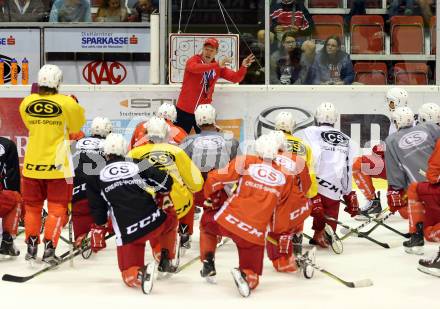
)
(96, 283)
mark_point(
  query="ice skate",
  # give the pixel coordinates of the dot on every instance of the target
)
(7, 246)
(416, 242)
(165, 267)
(430, 266)
(240, 282)
(32, 249)
(305, 262)
(372, 209)
(146, 276)
(208, 270)
(297, 240)
(333, 239)
(49, 256)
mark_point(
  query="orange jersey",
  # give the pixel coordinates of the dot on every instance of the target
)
(139, 137)
(433, 172)
(262, 186)
(295, 209)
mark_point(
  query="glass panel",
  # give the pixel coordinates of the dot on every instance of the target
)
(363, 43)
(248, 17)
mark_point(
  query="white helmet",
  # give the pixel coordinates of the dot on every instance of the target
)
(396, 97)
(205, 114)
(280, 139)
(101, 126)
(167, 111)
(326, 113)
(403, 117)
(50, 76)
(284, 121)
(266, 147)
(157, 128)
(430, 113)
(115, 144)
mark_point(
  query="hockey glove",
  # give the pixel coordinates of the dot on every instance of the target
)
(395, 199)
(352, 204)
(97, 238)
(317, 207)
(216, 200)
(163, 200)
(284, 243)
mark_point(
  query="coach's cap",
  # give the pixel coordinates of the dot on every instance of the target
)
(211, 41)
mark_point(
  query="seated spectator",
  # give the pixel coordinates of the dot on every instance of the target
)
(288, 44)
(22, 11)
(142, 10)
(332, 66)
(294, 68)
(113, 11)
(70, 11)
(293, 16)
(395, 7)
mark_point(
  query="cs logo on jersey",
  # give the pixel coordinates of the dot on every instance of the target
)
(89, 143)
(285, 162)
(118, 170)
(412, 139)
(266, 174)
(160, 158)
(335, 138)
(296, 148)
(44, 109)
(209, 142)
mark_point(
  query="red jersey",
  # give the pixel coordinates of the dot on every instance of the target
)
(262, 186)
(433, 172)
(139, 137)
(199, 81)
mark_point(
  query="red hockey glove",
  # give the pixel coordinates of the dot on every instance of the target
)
(352, 203)
(284, 243)
(97, 238)
(317, 207)
(396, 199)
(8, 200)
(163, 200)
(216, 200)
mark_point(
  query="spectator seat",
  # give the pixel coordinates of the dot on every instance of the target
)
(410, 73)
(371, 73)
(367, 34)
(407, 35)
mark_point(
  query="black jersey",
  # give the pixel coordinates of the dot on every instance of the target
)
(123, 187)
(9, 165)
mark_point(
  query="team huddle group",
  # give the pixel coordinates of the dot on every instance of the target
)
(148, 190)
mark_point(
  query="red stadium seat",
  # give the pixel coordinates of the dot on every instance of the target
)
(371, 73)
(369, 4)
(367, 34)
(325, 3)
(432, 25)
(328, 25)
(407, 35)
(410, 73)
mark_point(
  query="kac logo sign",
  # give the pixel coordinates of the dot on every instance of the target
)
(98, 72)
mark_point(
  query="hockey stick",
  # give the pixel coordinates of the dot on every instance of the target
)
(351, 284)
(195, 259)
(66, 256)
(353, 231)
(379, 222)
(358, 233)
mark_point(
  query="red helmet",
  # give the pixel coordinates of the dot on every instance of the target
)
(211, 41)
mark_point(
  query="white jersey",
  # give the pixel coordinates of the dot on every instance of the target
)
(333, 153)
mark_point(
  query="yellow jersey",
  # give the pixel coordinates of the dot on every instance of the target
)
(297, 146)
(50, 119)
(187, 178)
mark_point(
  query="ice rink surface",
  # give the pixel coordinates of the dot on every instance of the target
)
(97, 283)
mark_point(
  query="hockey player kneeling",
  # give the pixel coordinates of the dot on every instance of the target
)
(288, 220)
(333, 158)
(10, 197)
(244, 217)
(123, 187)
(170, 158)
(88, 160)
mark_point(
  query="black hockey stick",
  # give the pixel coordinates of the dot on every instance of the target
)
(351, 284)
(380, 222)
(66, 256)
(357, 229)
(358, 233)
